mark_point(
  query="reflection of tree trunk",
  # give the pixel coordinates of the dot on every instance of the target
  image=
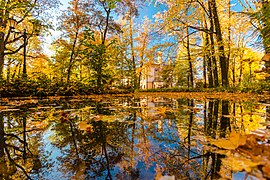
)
(107, 159)
(242, 118)
(210, 118)
(132, 141)
(205, 117)
(3, 167)
(225, 120)
(191, 105)
(234, 114)
(24, 138)
(74, 140)
(215, 117)
(104, 149)
(190, 127)
(2, 133)
(205, 165)
(216, 164)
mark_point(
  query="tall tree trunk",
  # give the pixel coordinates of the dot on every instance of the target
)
(134, 77)
(207, 58)
(71, 59)
(229, 36)
(222, 57)
(103, 51)
(24, 53)
(241, 69)
(233, 71)
(2, 40)
(189, 60)
(8, 69)
(212, 46)
(204, 73)
(2, 53)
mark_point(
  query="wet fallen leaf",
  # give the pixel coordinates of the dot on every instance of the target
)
(250, 153)
(266, 170)
(85, 127)
(233, 142)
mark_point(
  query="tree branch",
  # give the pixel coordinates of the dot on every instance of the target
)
(15, 51)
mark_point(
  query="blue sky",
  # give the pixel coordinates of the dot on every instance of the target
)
(149, 10)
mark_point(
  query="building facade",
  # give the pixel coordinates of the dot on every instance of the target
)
(152, 74)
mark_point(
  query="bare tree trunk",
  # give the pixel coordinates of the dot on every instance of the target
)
(241, 69)
(229, 37)
(2, 41)
(2, 53)
(101, 57)
(209, 63)
(233, 71)
(189, 60)
(134, 76)
(212, 46)
(24, 53)
(71, 59)
(222, 57)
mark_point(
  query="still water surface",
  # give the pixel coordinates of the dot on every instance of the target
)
(121, 137)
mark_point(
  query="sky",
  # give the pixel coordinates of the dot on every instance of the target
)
(148, 11)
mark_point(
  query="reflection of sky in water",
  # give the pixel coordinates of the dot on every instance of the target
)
(52, 153)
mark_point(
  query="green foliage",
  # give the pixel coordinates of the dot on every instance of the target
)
(97, 57)
(262, 17)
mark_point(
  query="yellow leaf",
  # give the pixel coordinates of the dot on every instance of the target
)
(224, 144)
(84, 126)
(233, 142)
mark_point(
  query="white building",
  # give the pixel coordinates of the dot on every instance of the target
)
(151, 74)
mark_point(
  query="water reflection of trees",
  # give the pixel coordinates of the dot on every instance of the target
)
(18, 148)
(96, 152)
(127, 139)
(189, 159)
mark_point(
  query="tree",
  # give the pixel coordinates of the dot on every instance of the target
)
(14, 16)
(74, 21)
(261, 21)
(222, 58)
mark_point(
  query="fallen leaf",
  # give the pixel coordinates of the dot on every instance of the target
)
(233, 142)
(85, 127)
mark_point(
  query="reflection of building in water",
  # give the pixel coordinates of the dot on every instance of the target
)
(154, 109)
